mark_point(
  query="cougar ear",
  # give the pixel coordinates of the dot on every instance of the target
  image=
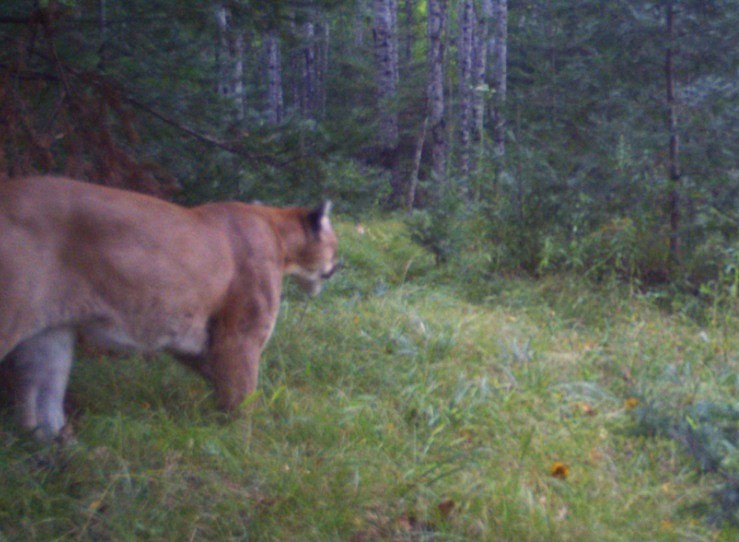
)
(318, 217)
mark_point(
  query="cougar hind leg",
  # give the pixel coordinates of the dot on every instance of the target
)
(41, 367)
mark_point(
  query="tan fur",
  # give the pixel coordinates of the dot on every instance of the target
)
(128, 270)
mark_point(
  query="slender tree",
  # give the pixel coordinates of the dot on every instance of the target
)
(103, 29)
(359, 26)
(322, 63)
(673, 164)
(409, 37)
(395, 41)
(275, 104)
(498, 71)
(416, 166)
(384, 33)
(479, 82)
(437, 14)
(311, 62)
(230, 60)
(308, 65)
(465, 48)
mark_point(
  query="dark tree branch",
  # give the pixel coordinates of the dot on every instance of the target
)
(14, 20)
(98, 81)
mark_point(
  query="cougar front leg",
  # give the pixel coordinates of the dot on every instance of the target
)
(238, 335)
(41, 367)
(233, 368)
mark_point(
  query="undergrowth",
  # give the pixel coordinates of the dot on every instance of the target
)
(408, 402)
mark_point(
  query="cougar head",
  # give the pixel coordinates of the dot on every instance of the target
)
(317, 261)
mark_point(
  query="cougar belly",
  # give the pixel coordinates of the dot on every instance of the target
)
(183, 338)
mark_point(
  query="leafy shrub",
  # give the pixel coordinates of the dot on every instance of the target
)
(721, 284)
(515, 243)
(610, 250)
(441, 229)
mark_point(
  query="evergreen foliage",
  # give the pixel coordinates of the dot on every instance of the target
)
(129, 93)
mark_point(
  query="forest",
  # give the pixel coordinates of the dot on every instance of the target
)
(596, 137)
(534, 333)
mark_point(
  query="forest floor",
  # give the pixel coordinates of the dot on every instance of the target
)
(406, 403)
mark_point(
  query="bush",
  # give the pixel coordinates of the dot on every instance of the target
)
(609, 251)
(442, 228)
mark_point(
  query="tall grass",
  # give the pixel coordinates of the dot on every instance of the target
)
(406, 403)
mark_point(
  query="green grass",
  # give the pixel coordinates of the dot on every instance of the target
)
(405, 403)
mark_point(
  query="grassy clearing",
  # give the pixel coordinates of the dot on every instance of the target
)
(405, 403)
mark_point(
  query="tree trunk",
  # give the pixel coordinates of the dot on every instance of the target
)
(295, 61)
(103, 30)
(466, 32)
(498, 57)
(409, 37)
(479, 69)
(413, 183)
(275, 103)
(230, 61)
(436, 25)
(322, 66)
(308, 89)
(384, 33)
(386, 63)
(394, 26)
(674, 143)
(360, 16)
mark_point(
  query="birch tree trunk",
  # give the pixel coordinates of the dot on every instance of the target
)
(384, 33)
(498, 73)
(673, 165)
(308, 88)
(436, 24)
(275, 102)
(479, 71)
(230, 61)
(466, 32)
